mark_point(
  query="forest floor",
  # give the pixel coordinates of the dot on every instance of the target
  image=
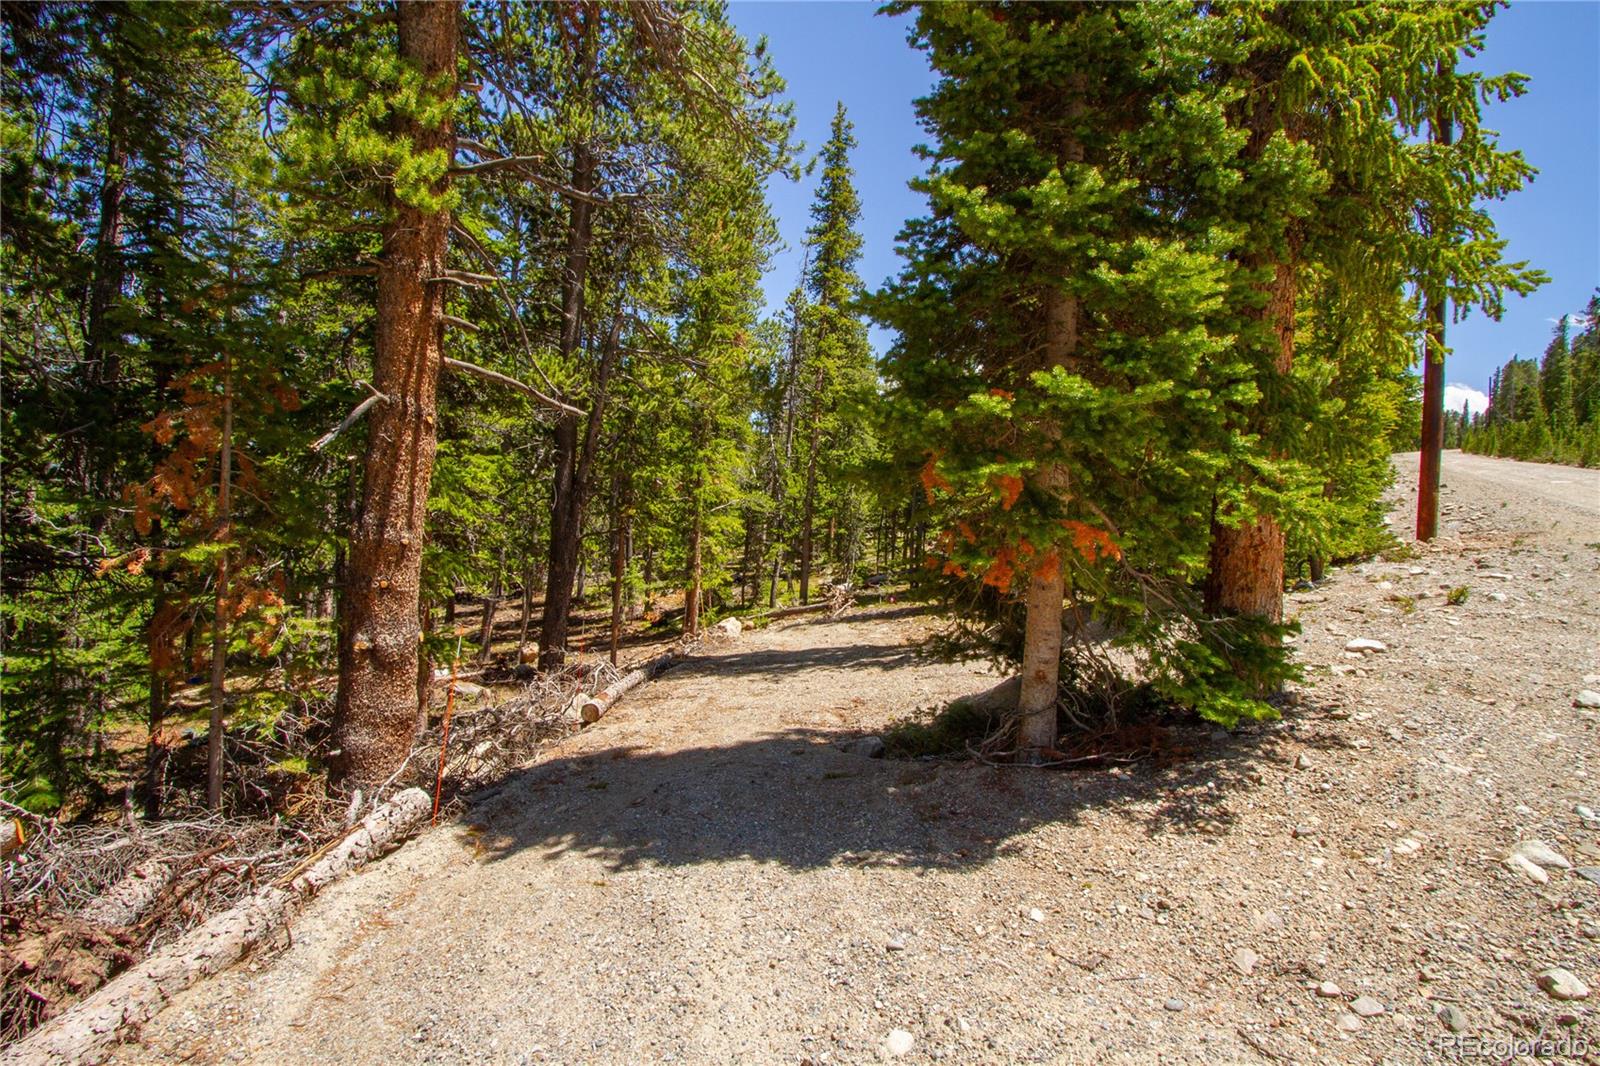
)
(705, 876)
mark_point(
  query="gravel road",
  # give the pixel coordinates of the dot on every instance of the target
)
(704, 877)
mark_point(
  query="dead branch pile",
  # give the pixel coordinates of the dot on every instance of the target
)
(81, 903)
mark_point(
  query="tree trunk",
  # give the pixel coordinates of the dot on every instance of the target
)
(619, 546)
(160, 655)
(105, 290)
(376, 711)
(592, 708)
(1041, 643)
(219, 622)
(527, 607)
(491, 604)
(807, 516)
(691, 596)
(1246, 570)
(1432, 396)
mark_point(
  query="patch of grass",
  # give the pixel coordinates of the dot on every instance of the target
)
(1458, 595)
(1406, 603)
(948, 732)
(1399, 552)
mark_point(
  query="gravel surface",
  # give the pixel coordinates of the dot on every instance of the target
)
(705, 876)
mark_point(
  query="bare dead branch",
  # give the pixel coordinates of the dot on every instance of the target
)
(466, 278)
(511, 382)
(349, 420)
(461, 323)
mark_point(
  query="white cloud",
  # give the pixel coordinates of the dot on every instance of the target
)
(1456, 395)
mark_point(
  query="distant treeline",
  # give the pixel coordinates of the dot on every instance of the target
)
(1547, 410)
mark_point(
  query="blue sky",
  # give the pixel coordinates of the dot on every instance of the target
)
(832, 51)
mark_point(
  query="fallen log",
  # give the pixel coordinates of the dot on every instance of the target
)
(127, 901)
(591, 708)
(86, 1032)
(804, 608)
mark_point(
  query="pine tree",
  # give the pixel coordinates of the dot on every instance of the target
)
(1332, 99)
(1555, 382)
(1064, 354)
(834, 372)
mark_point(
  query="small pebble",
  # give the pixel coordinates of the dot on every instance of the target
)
(1329, 990)
(899, 1042)
(1174, 1004)
(1453, 1017)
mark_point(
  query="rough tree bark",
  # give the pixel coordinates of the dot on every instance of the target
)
(1246, 567)
(376, 712)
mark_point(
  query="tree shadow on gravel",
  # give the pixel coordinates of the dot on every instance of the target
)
(796, 799)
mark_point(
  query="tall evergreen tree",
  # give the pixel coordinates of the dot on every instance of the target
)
(1065, 354)
(833, 373)
(1555, 380)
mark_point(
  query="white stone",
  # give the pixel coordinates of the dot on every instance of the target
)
(1368, 646)
(1407, 846)
(1366, 1006)
(1587, 698)
(1523, 866)
(1562, 984)
(1541, 854)
(1244, 960)
(899, 1042)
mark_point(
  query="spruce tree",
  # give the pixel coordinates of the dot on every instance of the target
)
(1555, 381)
(1064, 373)
(833, 374)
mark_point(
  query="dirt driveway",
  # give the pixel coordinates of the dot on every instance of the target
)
(705, 877)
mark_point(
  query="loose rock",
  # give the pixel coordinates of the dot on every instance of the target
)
(1527, 868)
(1562, 984)
(1541, 854)
(1348, 1023)
(870, 747)
(1587, 698)
(899, 1042)
(1329, 990)
(1244, 960)
(1453, 1017)
(1368, 646)
(1366, 1006)
(1174, 1004)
